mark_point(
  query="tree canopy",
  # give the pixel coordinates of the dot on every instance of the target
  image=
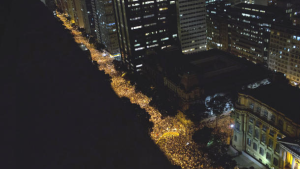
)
(217, 105)
(203, 136)
(196, 113)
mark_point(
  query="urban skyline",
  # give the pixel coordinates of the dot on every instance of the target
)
(211, 84)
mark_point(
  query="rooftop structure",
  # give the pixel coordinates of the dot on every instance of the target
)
(267, 125)
(199, 75)
(282, 97)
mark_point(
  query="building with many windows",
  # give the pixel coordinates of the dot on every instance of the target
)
(267, 125)
(144, 26)
(107, 30)
(76, 11)
(192, 25)
(96, 17)
(250, 30)
(218, 32)
(284, 51)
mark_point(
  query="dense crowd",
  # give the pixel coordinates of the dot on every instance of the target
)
(179, 148)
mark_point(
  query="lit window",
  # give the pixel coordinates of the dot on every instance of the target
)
(162, 9)
(140, 48)
(166, 38)
(136, 27)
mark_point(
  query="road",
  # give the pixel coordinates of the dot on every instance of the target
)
(179, 148)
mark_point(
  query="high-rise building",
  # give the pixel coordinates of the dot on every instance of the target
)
(218, 32)
(192, 25)
(144, 26)
(85, 8)
(79, 13)
(74, 10)
(284, 51)
(90, 23)
(96, 17)
(267, 127)
(106, 25)
(250, 30)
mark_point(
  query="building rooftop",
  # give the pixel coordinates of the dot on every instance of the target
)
(212, 67)
(292, 144)
(282, 97)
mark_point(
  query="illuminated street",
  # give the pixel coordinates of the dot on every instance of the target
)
(171, 135)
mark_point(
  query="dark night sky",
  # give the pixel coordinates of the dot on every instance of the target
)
(61, 111)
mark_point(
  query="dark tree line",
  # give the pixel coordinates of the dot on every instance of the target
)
(196, 113)
(142, 117)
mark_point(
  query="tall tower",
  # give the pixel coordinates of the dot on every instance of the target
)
(79, 15)
(143, 27)
(106, 25)
(192, 25)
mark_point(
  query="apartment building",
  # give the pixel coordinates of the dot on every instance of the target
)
(218, 32)
(75, 9)
(267, 125)
(284, 51)
(250, 30)
(96, 17)
(192, 25)
(106, 25)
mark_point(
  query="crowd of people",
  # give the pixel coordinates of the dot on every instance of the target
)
(180, 149)
(224, 124)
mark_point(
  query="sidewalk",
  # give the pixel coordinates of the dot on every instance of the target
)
(244, 160)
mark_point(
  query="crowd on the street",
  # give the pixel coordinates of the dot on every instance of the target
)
(180, 149)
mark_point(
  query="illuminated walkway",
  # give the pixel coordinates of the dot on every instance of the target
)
(176, 143)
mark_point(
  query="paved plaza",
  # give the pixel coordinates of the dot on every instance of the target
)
(244, 160)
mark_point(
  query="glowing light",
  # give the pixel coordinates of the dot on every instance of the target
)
(172, 134)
